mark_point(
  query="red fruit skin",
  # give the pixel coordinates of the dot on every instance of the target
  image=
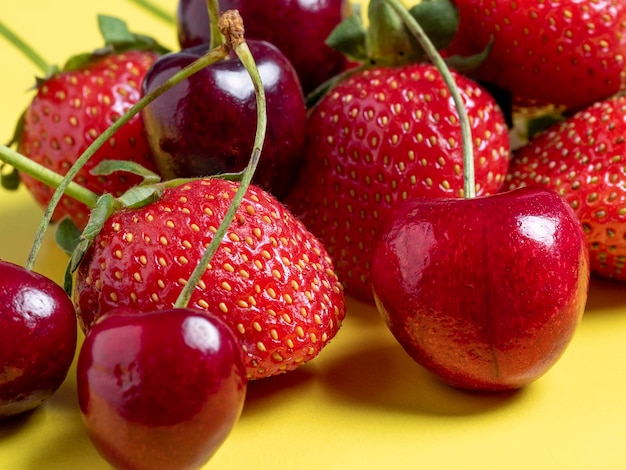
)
(71, 109)
(484, 302)
(161, 389)
(568, 53)
(38, 335)
(582, 159)
(382, 136)
(299, 29)
(270, 280)
(206, 125)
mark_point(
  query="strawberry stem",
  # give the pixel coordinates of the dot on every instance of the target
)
(231, 26)
(469, 183)
(26, 49)
(155, 10)
(209, 58)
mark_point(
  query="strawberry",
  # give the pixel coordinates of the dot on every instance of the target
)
(270, 279)
(568, 53)
(384, 134)
(582, 159)
(72, 108)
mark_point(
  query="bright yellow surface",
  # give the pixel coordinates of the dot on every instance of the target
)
(362, 403)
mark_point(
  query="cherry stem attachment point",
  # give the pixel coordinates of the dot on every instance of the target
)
(469, 179)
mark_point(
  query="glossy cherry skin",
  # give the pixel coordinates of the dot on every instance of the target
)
(486, 293)
(206, 124)
(298, 28)
(160, 389)
(38, 334)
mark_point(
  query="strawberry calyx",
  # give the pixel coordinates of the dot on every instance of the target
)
(387, 41)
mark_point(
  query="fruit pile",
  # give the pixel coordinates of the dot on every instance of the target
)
(219, 202)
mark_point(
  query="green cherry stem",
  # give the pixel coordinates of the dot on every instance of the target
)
(469, 180)
(46, 176)
(209, 58)
(155, 10)
(217, 38)
(232, 28)
(26, 49)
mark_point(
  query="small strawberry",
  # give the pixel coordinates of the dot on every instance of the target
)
(568, 53)
(74, 106)
(582, 159)
(385, 134)
(270, 279)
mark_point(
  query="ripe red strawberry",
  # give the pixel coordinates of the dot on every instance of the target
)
(568, 53)
(70, 110)
(387, 134)
(583, 160)
(270, 279)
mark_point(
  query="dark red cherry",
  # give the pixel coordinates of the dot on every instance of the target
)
(206, 124)
(38, 334)
(298, 28)
(160, 390)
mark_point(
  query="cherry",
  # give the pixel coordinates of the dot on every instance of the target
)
(206, 124)
(483, 302)
(38, 334)
(298, 28)
(161, 389)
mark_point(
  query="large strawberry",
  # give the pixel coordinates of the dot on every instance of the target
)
(270, 279)
(385, 134)
(582, 159)
(569, 53)
(74, 106)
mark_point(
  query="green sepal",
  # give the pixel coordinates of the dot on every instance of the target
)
(540, 123)
(468, 64)
(349, 38)
(389, 42)
(9, 180)
(139, 196)
(98, 216)
(67, 235)
(439, 20)
(117, 39)
(107, 167)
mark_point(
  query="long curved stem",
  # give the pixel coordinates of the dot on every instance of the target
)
(469, 179)
(25, 48)
(243, 52)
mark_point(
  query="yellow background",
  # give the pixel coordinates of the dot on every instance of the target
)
(362, 403)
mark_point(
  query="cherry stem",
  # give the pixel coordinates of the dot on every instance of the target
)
(217, 39)
(232, 27)
(46, 176)
(209, 58)
(469, 180)
(156, 11)
(26, 49)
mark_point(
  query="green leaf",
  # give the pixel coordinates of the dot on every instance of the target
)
(98, 216)
(114, 30)
(541, 123)
(67, 235)
(439, 20)
(467, 64)
(349, 38)
(139, 196)
(107, 167)
(9, 180)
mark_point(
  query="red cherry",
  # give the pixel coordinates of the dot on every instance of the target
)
(485, 292)
(160, 389)
(38, 335)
